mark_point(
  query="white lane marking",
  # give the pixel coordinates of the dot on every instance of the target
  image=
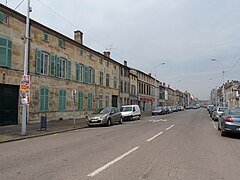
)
(169, 127)
(214, 125)
(158, 120)
(94, 173)
(150, 139)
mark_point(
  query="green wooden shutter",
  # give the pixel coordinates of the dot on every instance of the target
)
(60, 100)
(9, 54)
(86, 74)
(64, 100)
(46, 99)
(69, 74)
(2, 16)
(80, 101)
(38, 59)
(77, 72)
(57, 66)
(89, 101)
(93, 78)
(52, 65)
(42, 99)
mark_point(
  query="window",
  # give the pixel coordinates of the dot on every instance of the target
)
(125, 87)
(62, 100)
(3, 18)
(107, 80)
(61, 67)
(121, 86)
(100, 61)
(91, 76)
(115, 82)
(80, 100)
(107, 63)
(81, 52)
(90, 101)
(45, 37)
(44, 99)
(44, 63)
(107, 100)
(5, 52)
(101, 78)
(100, 100)
(79, 72)
(61, 43)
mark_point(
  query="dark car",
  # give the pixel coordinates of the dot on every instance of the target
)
(158, 111)
(229, 121)
(106, 116)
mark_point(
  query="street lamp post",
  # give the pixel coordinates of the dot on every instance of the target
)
(223, 90)
(155, 83)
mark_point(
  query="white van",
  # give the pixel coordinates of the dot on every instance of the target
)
(130, 112)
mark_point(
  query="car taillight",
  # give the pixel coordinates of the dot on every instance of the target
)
(228, 119)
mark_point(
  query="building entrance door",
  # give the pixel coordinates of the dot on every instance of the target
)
(8, 104)
(114, 101)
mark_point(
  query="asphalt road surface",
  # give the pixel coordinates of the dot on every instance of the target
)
(183, 146)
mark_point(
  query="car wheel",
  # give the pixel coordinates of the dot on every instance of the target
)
(131, 118)
(121, 120)
(109, 123)
(139, 117)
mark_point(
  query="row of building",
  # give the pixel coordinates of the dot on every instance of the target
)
(59, 66)
(226, 95)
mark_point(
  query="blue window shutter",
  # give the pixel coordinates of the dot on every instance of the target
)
(86, 74)
(69, 73)
(57, 66)
(38, 59)
(52, 71)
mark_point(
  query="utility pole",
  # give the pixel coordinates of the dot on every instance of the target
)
(26, 59)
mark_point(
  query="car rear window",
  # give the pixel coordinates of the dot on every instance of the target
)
(222, 109)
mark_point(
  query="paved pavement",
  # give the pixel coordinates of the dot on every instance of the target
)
(13, 132)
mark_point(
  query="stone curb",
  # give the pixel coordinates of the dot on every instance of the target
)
(39, 135)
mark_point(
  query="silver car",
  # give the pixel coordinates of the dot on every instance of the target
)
(229, 121)
(217, 112)
(106, 116)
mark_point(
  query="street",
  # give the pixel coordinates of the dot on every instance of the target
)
(182, 145)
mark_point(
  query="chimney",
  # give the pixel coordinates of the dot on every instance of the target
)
(125, 63)
(106, 54)
(78, 36)
(149, 74)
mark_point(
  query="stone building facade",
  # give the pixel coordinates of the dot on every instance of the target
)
(57, 66)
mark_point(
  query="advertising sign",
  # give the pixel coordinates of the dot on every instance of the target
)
(25, 89)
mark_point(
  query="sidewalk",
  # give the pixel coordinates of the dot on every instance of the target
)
(13, 132)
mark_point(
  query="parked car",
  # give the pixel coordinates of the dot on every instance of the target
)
(174, 108)
(217, 112)
(180, 108)
(130, 112)
(229, 121)
(157, 111)
(106, 116)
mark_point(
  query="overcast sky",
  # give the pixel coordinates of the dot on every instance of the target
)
(185, 34)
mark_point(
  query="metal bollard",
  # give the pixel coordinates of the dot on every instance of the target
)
(43, 121)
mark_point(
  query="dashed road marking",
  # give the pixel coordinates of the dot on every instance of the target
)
(169, 127)
(150, 139)
(94, 173)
